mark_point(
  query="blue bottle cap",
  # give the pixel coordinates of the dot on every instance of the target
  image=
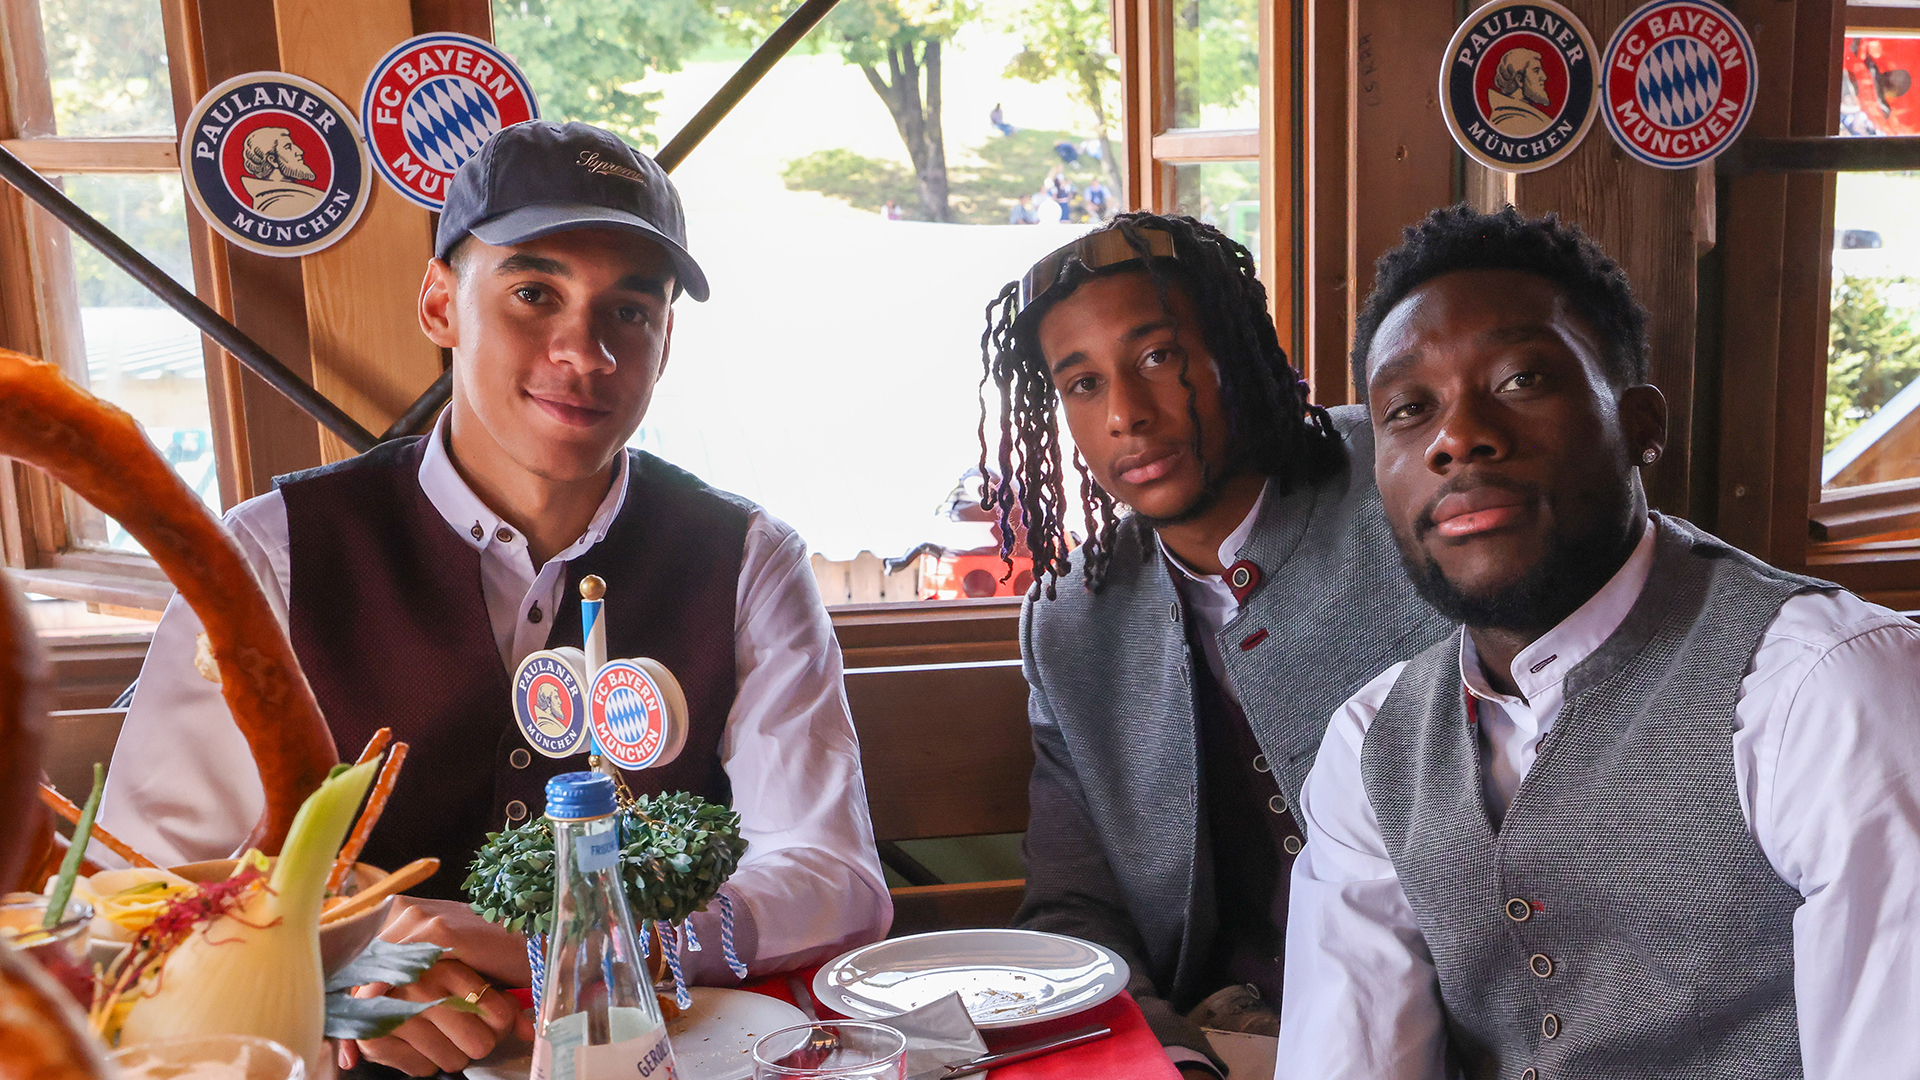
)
(577, 795)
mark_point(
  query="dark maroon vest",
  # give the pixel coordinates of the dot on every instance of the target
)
(389, 622)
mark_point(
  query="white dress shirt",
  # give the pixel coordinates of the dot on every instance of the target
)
(1826, 757)
(1208, 598)
(183, 786)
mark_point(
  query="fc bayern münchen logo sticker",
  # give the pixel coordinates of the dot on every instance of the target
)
(550, 704)
(1517, 85)
(432, 102)
(1679, 80)
(638, 716)
(274, 163)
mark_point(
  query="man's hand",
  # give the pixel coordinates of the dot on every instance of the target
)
(441, 1039)
(479, 954)
(493, 951)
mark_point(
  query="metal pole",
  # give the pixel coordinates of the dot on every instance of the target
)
(422, 411)
(155, 280)
(784, 38)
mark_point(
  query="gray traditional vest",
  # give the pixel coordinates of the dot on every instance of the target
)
(1623, 921)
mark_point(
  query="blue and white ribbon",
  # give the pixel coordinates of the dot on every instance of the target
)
(693, 939)
(670, 941)
(726, 937)
(537, 960)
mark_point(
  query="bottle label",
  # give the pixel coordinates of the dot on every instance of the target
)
(561, 1052)
(599, 851)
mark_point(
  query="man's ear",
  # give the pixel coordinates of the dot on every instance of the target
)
(438, 313)
(666, 345)
(1643, 419)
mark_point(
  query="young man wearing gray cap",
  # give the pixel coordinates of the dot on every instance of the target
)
(414, 578)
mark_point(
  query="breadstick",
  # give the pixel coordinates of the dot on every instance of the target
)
(376, 805)
(413, 873)
(63, 806)
(376, 745)
(100, 452)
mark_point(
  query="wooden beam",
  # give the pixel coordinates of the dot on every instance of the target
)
(1327, 223)
(369, 356)
(1189, 147)
(1867, 20)
(60, 155)
(1821, 154)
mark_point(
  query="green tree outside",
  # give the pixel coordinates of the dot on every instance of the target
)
(1067, 40)
(580, 54)
(1873, 350)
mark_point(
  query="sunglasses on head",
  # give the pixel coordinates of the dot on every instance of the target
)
(1096, 251)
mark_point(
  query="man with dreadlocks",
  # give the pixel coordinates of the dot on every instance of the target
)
(1655, 812)
(1184, 659)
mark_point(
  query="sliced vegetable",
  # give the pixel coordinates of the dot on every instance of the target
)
(256, 970)
(70, 866)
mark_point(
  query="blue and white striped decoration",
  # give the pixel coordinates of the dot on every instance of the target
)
(448, 119)
(537, 961)
(1678, 82)
(726, 937)
(670, 941)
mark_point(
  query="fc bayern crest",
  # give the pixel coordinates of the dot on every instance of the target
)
(550, 704)
(637, 713)
(431, 104)
(274, 163)
(1679, 82)
(1517, 85)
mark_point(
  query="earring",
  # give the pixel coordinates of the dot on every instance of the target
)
(1649, 456)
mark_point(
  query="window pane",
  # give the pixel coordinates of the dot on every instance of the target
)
(137, 352)
(107, 64)
(1873, 355)
(832, 376)
(1224, 194)
(1216, 64)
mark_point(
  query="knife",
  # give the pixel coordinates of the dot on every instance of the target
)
(1013, 1054)
(802, 998)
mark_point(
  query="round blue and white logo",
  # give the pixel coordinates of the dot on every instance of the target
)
(549, 704)
(637, 712)
(432, 102)
(1680, 82)
(274, 163)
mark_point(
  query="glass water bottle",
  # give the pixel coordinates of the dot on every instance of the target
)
(598, 1017)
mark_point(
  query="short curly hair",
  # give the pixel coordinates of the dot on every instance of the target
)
(1462, 238)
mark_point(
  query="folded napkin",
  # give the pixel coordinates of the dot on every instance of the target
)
(939, 1033)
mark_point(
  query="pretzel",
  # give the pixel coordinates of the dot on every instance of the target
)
(369, 817)
(63, 806)
(99, 451)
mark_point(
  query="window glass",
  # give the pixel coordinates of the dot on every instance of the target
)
(1216, 64)
(1872, 422)
(136, 352)
(833, 376)
(1224, 194)
(106, 63)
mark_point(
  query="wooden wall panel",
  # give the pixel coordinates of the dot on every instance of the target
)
(1325, 176)
(1644, 217)
(369, 355)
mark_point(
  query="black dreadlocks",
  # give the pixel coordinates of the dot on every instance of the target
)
(1272, 427)
(1461, 238)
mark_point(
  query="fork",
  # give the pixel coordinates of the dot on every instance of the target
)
(821, 1041)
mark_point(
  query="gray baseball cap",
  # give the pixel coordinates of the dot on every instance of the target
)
(538, 178)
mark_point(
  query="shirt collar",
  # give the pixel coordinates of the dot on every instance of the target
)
(1229, 548)
(1548, 660)
(474, 521)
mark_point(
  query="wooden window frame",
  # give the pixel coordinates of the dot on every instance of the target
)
(1776, 270)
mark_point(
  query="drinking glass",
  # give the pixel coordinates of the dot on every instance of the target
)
(832, 1050)
(208, 1057)
(62, 951)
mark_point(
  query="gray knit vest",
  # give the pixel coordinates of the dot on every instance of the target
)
(1623, 922)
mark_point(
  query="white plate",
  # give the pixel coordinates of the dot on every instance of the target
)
(1008, 978)
(713, 1040)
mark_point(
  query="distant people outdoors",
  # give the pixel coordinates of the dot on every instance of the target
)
(1023, 212)
(1068, 152)
(1099, 200)
(891, 211)
(1060, 190)
(1091, 148)
(999, 120)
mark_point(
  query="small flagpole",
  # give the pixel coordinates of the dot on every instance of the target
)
(593, 642)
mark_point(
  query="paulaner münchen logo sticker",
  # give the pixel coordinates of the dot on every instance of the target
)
(432, 102)
(274, 163)
(1680, 82)
(1517, 84)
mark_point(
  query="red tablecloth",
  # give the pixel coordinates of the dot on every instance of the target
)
(1130, 1053)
